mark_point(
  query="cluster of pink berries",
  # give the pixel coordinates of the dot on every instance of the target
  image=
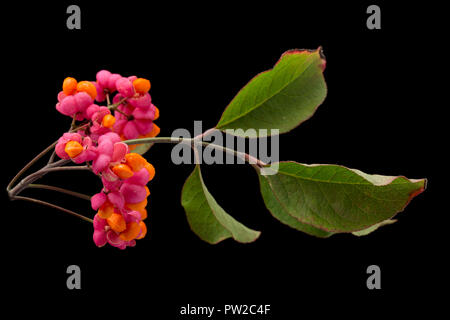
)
(97, 140)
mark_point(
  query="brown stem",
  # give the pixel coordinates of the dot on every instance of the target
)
(39, 174)
(53, 206)
(79, 127)
(121, 112)
(29, 164)
(115, 105)
(52, 157)
(58, 189)
(57, 163)
(72, 125)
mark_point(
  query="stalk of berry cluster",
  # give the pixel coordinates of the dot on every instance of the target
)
(27, 182)
(101, 139)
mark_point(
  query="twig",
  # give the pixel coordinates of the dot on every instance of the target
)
(53, 206)
(52, 157)
(123, 113)
(29, 164)
(57, 166)
(246, 157)
(39, 174)
(115, 105)
(58, 189)
(79, 127)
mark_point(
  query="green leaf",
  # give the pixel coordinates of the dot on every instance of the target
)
(207, 219)
(280, 98)
(142, 148)
(277, 210)
(333, 198)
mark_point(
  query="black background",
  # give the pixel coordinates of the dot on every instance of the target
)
(378, 117)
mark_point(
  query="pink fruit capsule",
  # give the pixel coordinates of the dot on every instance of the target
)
(125, 87)
(103, 78)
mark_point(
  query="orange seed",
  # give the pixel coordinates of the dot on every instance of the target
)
(143, 230)
(143, 213)
(135, 161)
(108, 121)
(123, 171)
(141, 85)
(131, 232)
(88, 87)
(117, 222)
(69, 86)
(73, 148)
(156, 113)
(155, 131)
(151, 170)
(137, 206)
(106, 210)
